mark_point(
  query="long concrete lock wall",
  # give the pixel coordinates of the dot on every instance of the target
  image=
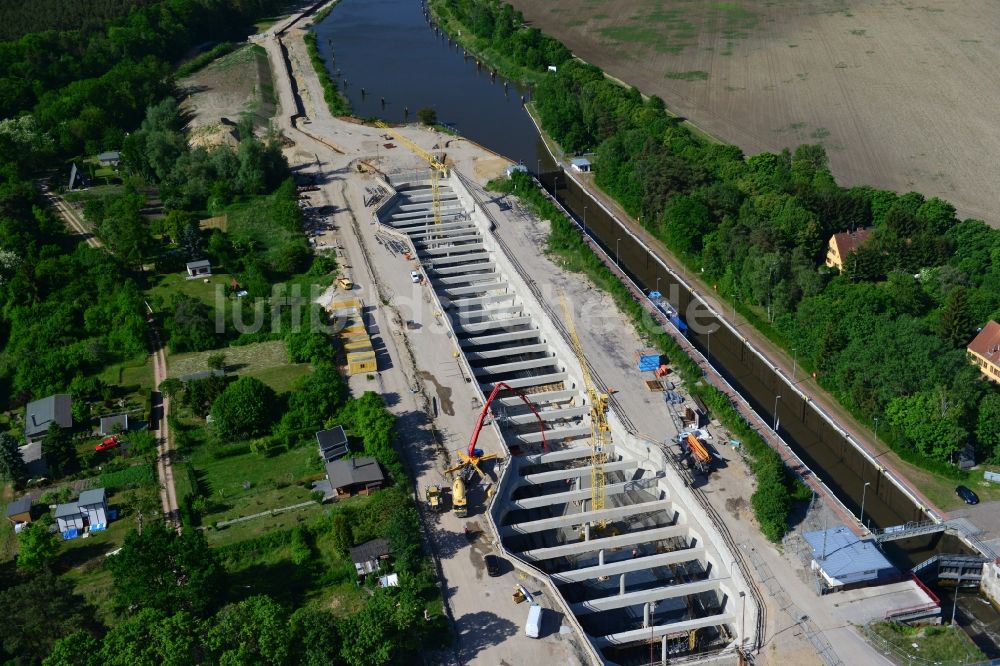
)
(683, 555)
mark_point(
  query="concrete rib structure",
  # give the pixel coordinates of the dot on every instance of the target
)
(645, 566)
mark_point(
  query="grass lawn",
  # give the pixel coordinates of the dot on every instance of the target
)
(81, 561)
(945, 644)
(239, 360)
(267, 361)
(177, 283)
(941, 490)
(274, 482)
(8, 540)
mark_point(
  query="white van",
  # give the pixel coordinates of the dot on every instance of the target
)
(533, 627)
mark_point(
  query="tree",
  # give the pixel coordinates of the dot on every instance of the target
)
(244, 409)
(931, 421)
(37, 548)
(37, 613)
(142, 443)
(59, 451)
(427, 115)
(253, 632)
(341, 533)
(12, 467)
(988, 425)
(152, 638)
(957, 326)
(171, 386)
(78, 649)
(383, 629)
(166, 571)
(403, 534)
(217, 361)
(190, 326)
(314, 638)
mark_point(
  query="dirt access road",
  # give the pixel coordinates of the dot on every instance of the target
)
(903, 95)
(164, 468)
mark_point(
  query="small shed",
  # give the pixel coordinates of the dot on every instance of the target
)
(109, 158)
(200, 268)
(113, 423)
(368, 557)
(581, 164)
(332, 443)
(844, 559)
(354, 476)
(19, 511)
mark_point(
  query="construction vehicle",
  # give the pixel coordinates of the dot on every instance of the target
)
(699, 453)
(470, 459)
(459, 503)
(434, 498)
(438, 169)
(600, 431)
(521, 594)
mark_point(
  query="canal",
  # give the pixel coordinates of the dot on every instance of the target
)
(390, 61)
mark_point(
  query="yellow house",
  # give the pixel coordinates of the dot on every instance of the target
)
(843, 244)
(985, 351)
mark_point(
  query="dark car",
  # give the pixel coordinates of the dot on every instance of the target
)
(967, 495)
(493, 567)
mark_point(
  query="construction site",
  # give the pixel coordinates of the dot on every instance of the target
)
(575, 497)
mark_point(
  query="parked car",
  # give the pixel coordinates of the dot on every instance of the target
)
(967, 495)
(415, 277)
(108, 443)
(493, 565)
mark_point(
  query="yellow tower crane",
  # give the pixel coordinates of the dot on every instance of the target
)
(438, 169)
(599, 430)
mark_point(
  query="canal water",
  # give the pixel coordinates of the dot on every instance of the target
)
(390, 61)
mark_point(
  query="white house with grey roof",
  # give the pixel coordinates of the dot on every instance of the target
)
(40, 414)
(88, 512)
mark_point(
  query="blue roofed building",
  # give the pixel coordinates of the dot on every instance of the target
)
(844, 559)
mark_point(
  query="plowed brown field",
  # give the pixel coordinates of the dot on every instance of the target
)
(903, 94)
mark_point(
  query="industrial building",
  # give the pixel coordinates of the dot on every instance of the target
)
(843, 559)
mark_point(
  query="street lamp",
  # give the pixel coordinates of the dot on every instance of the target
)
(657, 283)
(710, 345)
(538, 167)
(864, 491)
(876, 429)
(795, 359)
(617, 256)
(584, 220)
(734, 308)
(775, 427)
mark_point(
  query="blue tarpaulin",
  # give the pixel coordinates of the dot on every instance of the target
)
(71, 533)
(649, 362)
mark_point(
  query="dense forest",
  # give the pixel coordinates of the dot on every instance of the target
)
(887, 336)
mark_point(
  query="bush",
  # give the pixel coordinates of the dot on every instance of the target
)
(335, 101)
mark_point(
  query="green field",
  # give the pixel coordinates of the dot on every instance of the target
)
(939, 645)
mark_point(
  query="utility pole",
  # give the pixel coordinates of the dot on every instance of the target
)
(775, 426)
